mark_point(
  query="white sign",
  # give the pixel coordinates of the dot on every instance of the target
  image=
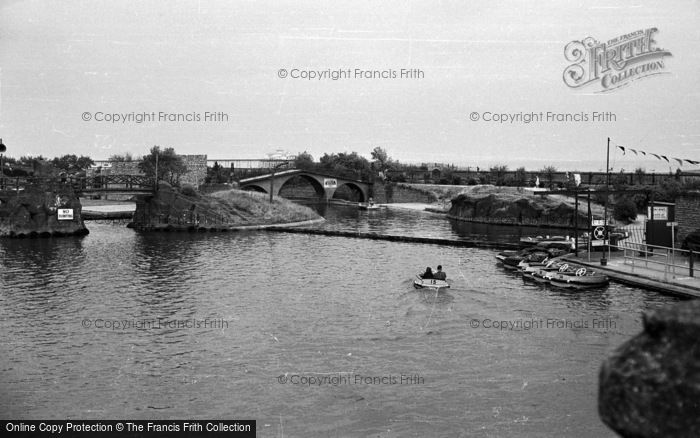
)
(65, 214)
(660, 213)
(671, 224)
(597, 222)
(330, 183)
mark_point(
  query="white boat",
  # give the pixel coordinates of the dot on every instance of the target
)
(431, 283)
(368, 206)
(576, 277)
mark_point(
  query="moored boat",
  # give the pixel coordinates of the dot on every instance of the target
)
(576, 277)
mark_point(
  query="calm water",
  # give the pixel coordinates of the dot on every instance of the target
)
(404, 222)
(311, 309)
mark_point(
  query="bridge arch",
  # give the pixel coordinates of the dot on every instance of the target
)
(255, 188)
(354, 190)
(314, 182)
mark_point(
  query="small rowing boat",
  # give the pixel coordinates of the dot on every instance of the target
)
(368, 206)
(431, 283)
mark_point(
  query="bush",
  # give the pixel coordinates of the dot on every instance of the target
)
(189, 190)
(625, 210)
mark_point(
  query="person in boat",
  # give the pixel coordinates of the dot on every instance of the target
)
(440, 274)
(428, 273)
(371, 201)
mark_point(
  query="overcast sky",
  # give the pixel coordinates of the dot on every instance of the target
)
(62, 59)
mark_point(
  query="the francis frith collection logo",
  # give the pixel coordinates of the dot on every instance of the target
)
(615, 63)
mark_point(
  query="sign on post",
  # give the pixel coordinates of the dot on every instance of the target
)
(598, 222)
(671, 224)
(659, 213)
(65, 214)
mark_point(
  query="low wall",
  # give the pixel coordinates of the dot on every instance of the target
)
(687, 214)
(387, 193)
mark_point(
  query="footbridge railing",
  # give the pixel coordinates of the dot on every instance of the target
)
(80, 185)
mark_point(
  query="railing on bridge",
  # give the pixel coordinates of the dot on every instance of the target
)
(100, 183)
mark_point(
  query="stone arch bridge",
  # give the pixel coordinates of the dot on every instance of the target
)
(324, 185)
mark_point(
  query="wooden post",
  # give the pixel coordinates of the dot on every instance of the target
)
(690, 263)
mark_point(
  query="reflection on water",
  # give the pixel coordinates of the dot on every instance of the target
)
(120, 324)
(405, 222)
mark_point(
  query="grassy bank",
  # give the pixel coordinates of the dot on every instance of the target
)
(230, 208)
(256, 207)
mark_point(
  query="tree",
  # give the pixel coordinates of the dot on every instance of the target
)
(170, 165)
(350, 165)
(127, 157)
(520, 176)
(216, 174)
(640, 174)
(548, 172)
(72, 163)
(498, 174)
(304, 161)
(381, 160)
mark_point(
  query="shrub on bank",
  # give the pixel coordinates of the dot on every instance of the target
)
(625, 210)
(189, 190)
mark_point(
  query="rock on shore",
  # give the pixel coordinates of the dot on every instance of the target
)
(507, 205)
(650, 386)
(34, 212)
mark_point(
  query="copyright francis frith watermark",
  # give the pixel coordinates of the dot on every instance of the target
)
(349, 379)
(610, 65)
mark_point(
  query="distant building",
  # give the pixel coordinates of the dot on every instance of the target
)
(196, 169)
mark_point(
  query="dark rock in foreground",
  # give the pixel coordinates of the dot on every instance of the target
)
(41, 211)
(650, 387)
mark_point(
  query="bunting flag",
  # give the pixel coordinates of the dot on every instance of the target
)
(658, 157)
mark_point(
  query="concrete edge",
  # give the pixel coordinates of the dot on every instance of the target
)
(409, 239)
(289, 224)
(641, 281)
(223, 227)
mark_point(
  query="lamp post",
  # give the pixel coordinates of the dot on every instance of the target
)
(3, 149)
(603, 260)
(156, 177)
(272, 178)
